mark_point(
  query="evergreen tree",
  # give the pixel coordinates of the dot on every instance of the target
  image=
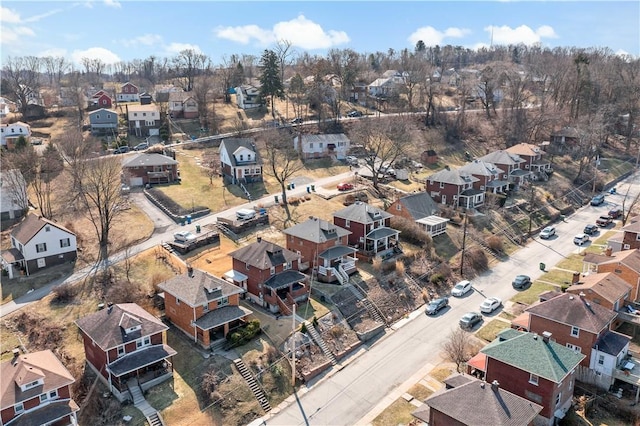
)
(270, 79)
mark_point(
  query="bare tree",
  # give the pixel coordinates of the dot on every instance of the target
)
(188, 64)
(628, 209)
(211, 164)
(75, 86)
(94, 67)
(46, 168)
(458, 348)
(21, 75)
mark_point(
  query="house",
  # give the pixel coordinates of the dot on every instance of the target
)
(564, 139)
(103, 122)
(454, 188)
(145, 98)
(128, 93)
(248, 96)
(370, 228)
(126, 346)
(326, 145)
(604, 289)
(14, 200)
(270, 275)
(100, 100)
(533, 159)
(240, 161)
(624, 264)
(36, 390)
(512, 164)
(10, 133)
(6, 107)
(531, 366)
(358, 93)
(143, 169)
(144, 120)
(490, 178)
(38, 243)
(204, 307)
(323, 247)
(629, 239)
(182, 105)
(492, 405)
(420, 208)
(389, 83)
(429, 157)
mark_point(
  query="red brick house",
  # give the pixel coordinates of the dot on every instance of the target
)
(629, 239)
(125, 344)
(531, 366)
(270, 274)
(604, 289)
(511, 163)
(153, 168)
(323, 246)
(490, 178)
(625, 264)
(35, 390)
(204, 307)
(370, 228)
(533, 159)
(454, 188)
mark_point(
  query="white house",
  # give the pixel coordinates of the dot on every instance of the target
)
(317, 146)
(128, 93)
(240, 161)
(6, 106)
(9, 133)
(14, 201)
(38, 243)
(247, 96)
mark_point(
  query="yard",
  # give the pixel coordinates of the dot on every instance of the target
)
(531, 294)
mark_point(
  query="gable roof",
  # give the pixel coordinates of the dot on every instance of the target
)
(198, 287)
(31, 225)
(316, 230)
(231, 145)
(142, 108)
(612, 342)
(607, 285)
(628, 258)
(180, 96)
(263, 255)
(482, 168)
(98, 111)
(334, 138)
(492, 405)
(502, 157)
(529, 352)
(526, 149)
(105, 326)
(419, 205)
(148, 160)
(362, 213)
(452, 176)
(633, 225)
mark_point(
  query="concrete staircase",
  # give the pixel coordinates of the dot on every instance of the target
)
(373, 311)
(151, 414)
(320, 342)
(253, 384)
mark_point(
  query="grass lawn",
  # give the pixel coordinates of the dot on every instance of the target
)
(399, 412)
(557, 276)
(597, 245)
(442, 372)
(419, 392)
(313, 308)
(531, 294)
(19, 286)
(572, 263)
(407, 185)
(444, 246)
(506, 315)
(491, 330)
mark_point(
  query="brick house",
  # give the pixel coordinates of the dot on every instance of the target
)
(142, 169)
(35, 390)
(240, 161)
(325, 145)
(455, 188)
(144, 120)
(624, 264)
(512, 164)
(126, 346)
(128, 93)
(420, 208)
(629, 239)
(531, 366)
(533, 159)
(370, 228)
(204, 307)
(323, 247)
(490, 178)
(270, 274)
(183, 105)
(604, 289)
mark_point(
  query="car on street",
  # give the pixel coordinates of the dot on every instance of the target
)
(141, 146)
(548, 232)
(183, 236)
(521, 281)
(590, 229)
(297, 120)
(597, 200)
(469, 320)
(604, 221)
(580, 239)
(462, 288)
(490, 304)
(436, 305)
(344, 186)
(354, 113)
(351, 160)
(615, 213)
(122, 149)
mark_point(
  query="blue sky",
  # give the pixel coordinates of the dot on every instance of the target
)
(124, 30)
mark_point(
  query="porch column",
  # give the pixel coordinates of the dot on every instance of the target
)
(637, 393)
(205, 338)
(226, 329)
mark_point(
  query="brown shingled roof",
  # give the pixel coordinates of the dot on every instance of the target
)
(263, 255)
(607, 285)
(575, 311)
(31, 225)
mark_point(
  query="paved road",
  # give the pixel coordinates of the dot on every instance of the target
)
(360, 391)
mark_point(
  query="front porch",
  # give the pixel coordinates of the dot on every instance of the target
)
(471, 198)
(336, 264)
(285, 289)
(214, 326)
(497, 187)
(628, 371)
(380, 240)
(433, 225)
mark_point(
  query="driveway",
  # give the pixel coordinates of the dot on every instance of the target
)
(161, 222)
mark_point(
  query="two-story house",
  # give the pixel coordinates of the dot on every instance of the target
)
(370, 228)
(325, 145)
(100, 100)
(240, 161)
(14, 200)
(324, 248)
(144, 120)
(128, 93)
(10, 133)
(270, 274)
(490, 178)
(183, 105)
(151, 168)
(422, 209)
(629, 238)
(36, 390)
(512, 164)
(126, 346)
(605, 289)
(38, 243)
(204, 307)
(103, 122)
(454, 187)
(531, 366)
(624, 264)
(533, 158)
(248, 96)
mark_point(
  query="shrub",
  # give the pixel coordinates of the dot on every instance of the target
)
(244, 334)
(336, 331)
(65, 292)
(477, 259)
(377, 264)
(388, 267)
(400, 267)
(410, 231)
(437, 279)
(303, 328)
(495, 243)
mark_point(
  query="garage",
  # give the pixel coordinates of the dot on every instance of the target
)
(135, 181)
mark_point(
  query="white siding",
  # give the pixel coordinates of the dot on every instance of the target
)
(52, 240)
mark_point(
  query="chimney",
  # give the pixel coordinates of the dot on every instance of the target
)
(495, 385)
(109, 307)
(482, 383)
(575, 278)
(16, 354)
(190, 271)
(545, 336)
(608, 251)
(259, 239)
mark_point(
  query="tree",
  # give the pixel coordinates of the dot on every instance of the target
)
(189, 63)
(271, 84)
(458, 348)
(76, 94)
(93, 67)
(46, 168)
(21, 76)
(297, 92)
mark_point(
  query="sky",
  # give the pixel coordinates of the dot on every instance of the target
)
(123, 30)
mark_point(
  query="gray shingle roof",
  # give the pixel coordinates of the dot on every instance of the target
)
(574, 311)
(612, 343)
(317, 231)
(141, 358)
(452, 176)
(31, 225)
(419, 205)
(221, 316)
(284, 279)
(482, 168)
(327, 138)
(362, 213)
(230, 145)
(337, 251)
(263, 255)
(502, 157)
(148, 160)
(199, 288)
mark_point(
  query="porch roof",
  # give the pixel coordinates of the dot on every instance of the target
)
(470, 192)
(47, 414)
(432, 220)
(520, 172)
(497, 183)
(141, 358)
(12, 255)
(382, 232)
(236, 276)
(336, 251)
(284, 279)
(222, 316)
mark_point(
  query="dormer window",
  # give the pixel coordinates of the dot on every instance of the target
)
(47, 228)
(32, 385)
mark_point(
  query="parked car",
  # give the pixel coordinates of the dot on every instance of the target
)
(462, 288)
(245, 214)
(122, 149)
(351, 160)
(490, 304)
(297, 120)
(580, 239)
(597, 200)
(604, 221)
(436, 305)
(141, 146)
(183, 236)
(469, 320)
(547, 232)
(590, 229)
(521, 281)
(354, 113)
(615, 213)
(344, 186)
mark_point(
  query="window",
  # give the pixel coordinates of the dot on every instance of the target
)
(533, 379)
(145, 341)
(97, 116)
(224, 301)
(135, 114)
(41, 263)
(53, 394)
(177, 301)
(65, 242)
(638, 236)
(47, 228)
(575, 331)
(558, 398)
(32, 385)
(441, 185)
(121, 350)
(272, 270)
(601, 359)
(247, 267)
(205, 307)
(381, 222)
(398, 207)
(18, 408)
(574, 348)
(241, 157)
(347, 223)
(310, 145)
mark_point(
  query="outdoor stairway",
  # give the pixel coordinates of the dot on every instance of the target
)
(246, 192)
(253, 384)
(168, 248)
(228, 232)
(342, 273)
(320, 341)
(151, 414)
(370, 307)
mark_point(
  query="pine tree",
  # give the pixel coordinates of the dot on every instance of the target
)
(270, 79)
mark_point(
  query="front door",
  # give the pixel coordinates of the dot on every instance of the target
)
(444, 199)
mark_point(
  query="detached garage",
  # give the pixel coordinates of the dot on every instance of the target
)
(142, 169)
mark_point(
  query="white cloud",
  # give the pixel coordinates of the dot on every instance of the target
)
(112, 3)
(9, 16)
(173, 48)
(506, 35)
(145, 39)
(431, 37)
(14, 34)
(300, 31)
(105, 55)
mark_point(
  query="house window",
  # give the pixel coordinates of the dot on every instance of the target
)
(310, 145)
(47, 228)
(53, 394)
(381, 222)
(120, 350)
(148, 123)
(40, 248)
(241, 157)
(18, 408)
(441, 185)
(558, 398)
(398, 207)
(287, 265)
(97, 116)
(65, 242)
(575, 331)
(272, 270)
(574, 348)
(600, 359)
(246, 265)
(135, 114)
(145, 341)
(44, 397)
(223, 301)
(638, 237)
(205, 307)
(347, 223)
(108, 115)
(533, 379)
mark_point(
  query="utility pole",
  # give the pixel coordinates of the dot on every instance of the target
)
(464, 240)
(293, 348)
(530, 207)
(595, 174)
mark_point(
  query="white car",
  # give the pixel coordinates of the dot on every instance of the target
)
(462, 288)
(184, 236)
(547, 232)
(490, 304)
(580, 239)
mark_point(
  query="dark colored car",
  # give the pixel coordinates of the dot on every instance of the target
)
(615, 213)
(122, 149)
(354, 113)
(590, 229)
(297, 120)
(521, 281)
(597, 200)
(436, 305)
(469, 320)
(604, 221)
